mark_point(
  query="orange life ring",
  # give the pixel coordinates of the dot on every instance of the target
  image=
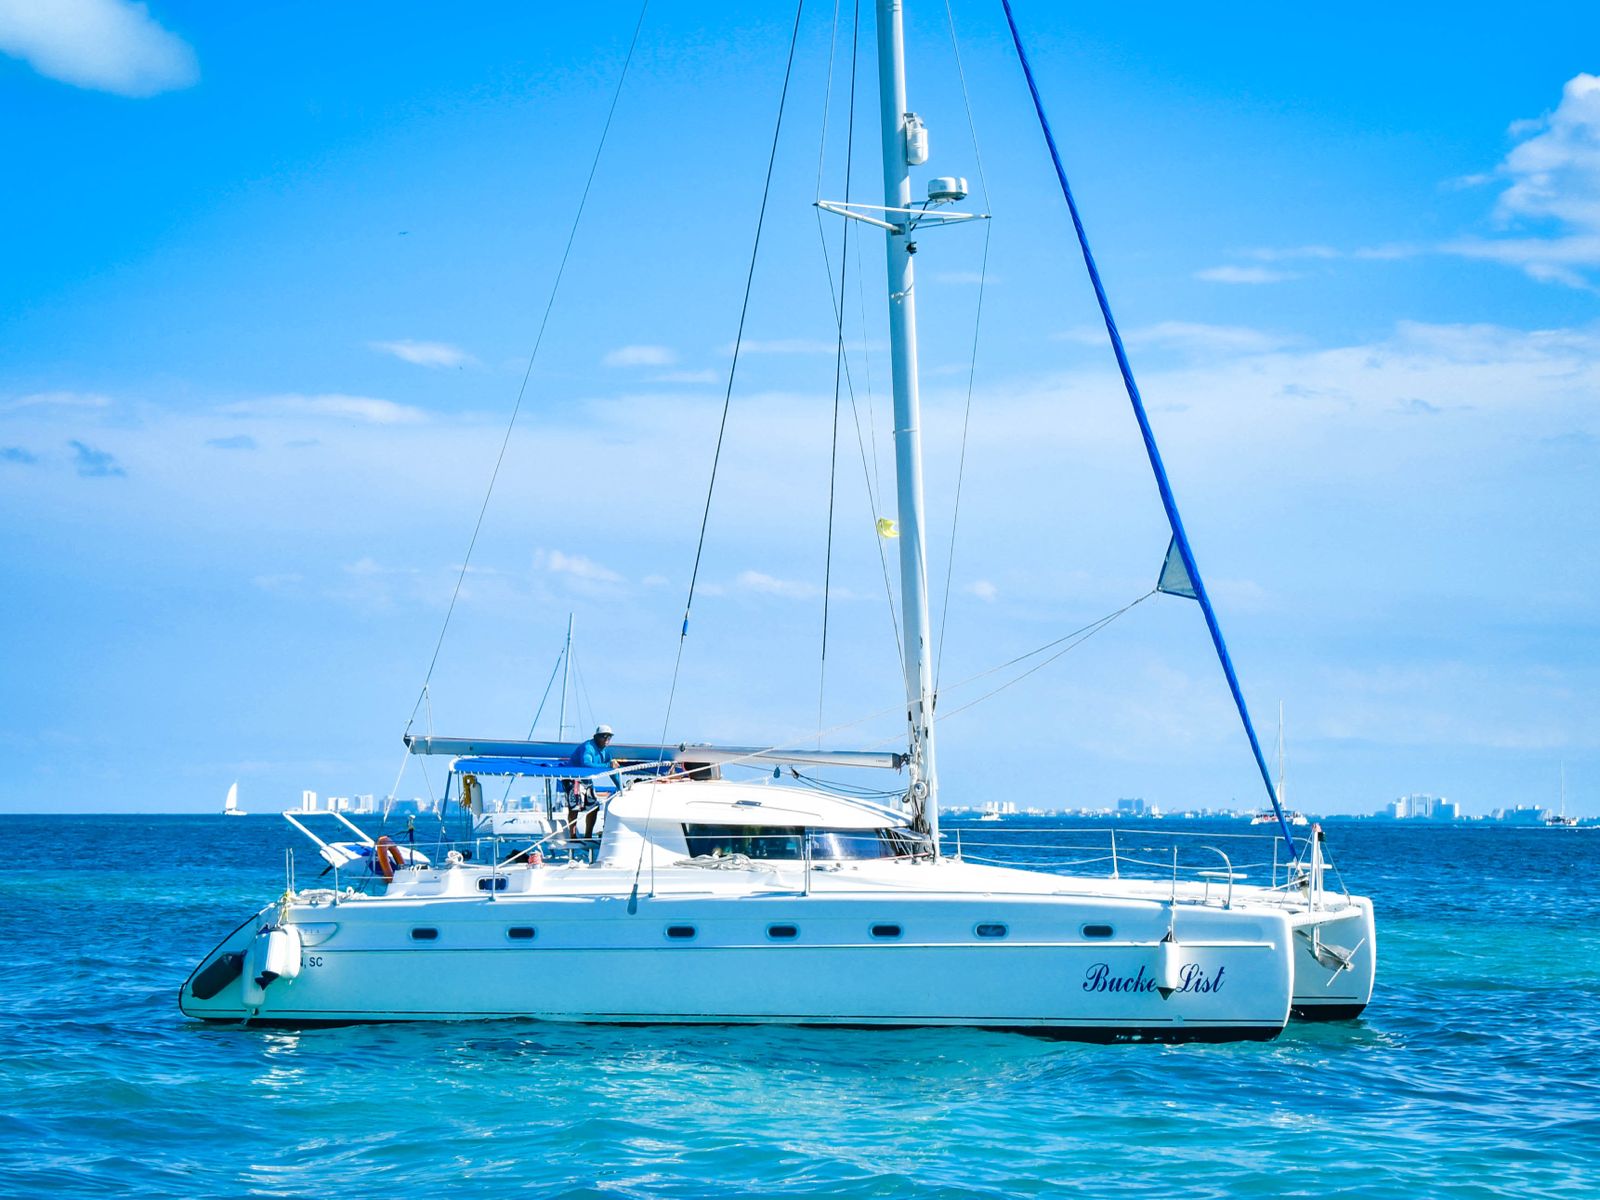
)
(386, 857)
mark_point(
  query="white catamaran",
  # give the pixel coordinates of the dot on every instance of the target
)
(712, 900)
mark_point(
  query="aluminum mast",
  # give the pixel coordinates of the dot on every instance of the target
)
(900, 151)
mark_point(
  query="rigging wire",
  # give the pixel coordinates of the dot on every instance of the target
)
(538, 341)
(1073, 641)
(722, 427)
(534, 724)
(972, 366)
(839, 354)
(869, 471)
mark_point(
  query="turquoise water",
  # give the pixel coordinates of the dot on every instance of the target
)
(1472, 1074)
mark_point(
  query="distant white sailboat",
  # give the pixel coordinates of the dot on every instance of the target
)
(230, 806)
(1561, 820)
(1269, 816)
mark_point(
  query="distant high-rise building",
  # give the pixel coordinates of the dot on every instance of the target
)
(1423, 807)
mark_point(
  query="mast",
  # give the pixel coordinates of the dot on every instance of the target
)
(900, 150)
(566, 674)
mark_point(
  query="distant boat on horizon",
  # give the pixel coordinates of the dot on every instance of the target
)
(230, 806)
(1269, 816)
(1560, 820)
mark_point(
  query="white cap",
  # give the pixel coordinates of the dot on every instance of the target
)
(603, 729)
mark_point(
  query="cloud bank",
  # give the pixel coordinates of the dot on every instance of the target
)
(104, 45)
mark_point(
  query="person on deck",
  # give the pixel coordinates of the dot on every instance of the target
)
(594, 754)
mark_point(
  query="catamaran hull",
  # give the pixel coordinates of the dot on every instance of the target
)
(1335, 963)
(906, 961)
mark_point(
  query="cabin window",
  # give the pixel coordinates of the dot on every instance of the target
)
(752, 841)
(424, 933)
(783, 933)
(1097, 931)
(886, 931)
(680, 933)
(835, 844)
(991, 929)
(493, 883)
(788, 843)
(520, 933)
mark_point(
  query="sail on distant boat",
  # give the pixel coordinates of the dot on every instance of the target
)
(230, 806)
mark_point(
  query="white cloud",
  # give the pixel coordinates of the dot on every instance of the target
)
(1554, 189)
(286, 582)
(705, 376)
(425, 354)
(641, 356)
(798, 346)
(353, 408)
(1192, 336)
(576, 566)
(1244, 275)
(769, 585)
(1290, 253)
(107, 45)
(58, 400)
(983, 590)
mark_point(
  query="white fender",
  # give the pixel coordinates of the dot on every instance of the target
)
(275, 954)
(1168, 965)
(283, 952)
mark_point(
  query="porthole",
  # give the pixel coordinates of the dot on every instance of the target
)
(424, 933)
(783, 933)
(493, 883)
(520, 933)
(886, 931)
(1097, 931)
(991, 929)
(680, 933)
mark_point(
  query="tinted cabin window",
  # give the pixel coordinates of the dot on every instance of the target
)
(680, 933)
(783, 933)
(520, 933)
(886, 931)
(424, 933)
(991, 929)
(860, 843)
(1097, 931)
(788, 842)
(496, 883)
(753, 841)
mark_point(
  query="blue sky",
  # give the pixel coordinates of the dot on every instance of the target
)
(272, 279)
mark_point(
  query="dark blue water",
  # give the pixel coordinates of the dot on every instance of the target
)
(1473, 1073)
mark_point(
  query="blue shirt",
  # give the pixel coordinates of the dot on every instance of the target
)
(589, 754)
